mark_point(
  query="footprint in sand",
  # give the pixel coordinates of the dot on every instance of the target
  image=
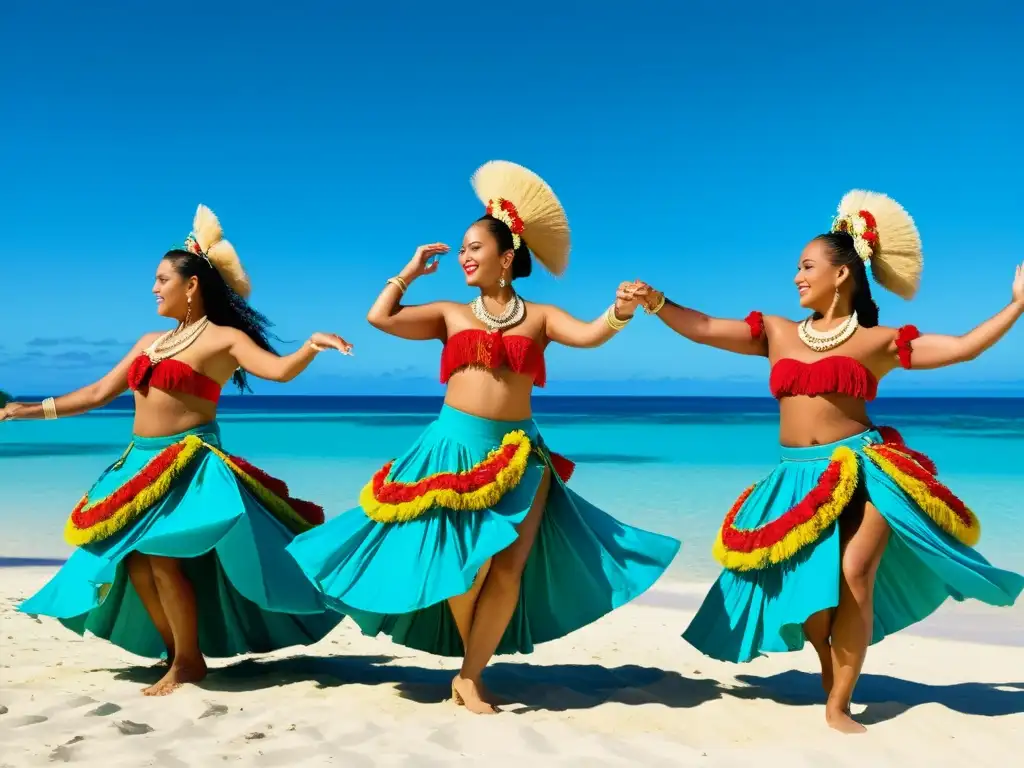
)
(103, 710)
(64, 753)
(214, 710)
(128, 728)
(21, 722)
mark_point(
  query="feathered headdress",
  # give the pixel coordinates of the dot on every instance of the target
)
(207, 240)
(885, 237)
(522, 199)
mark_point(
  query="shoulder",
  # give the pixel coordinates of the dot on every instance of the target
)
(770, 324)
(777, 321)
(147, 339)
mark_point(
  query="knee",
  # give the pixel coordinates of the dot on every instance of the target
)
(506, 570)
(859, 574)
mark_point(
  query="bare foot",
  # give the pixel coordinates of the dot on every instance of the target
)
(841, 721)
(181, 672)
(467, 693)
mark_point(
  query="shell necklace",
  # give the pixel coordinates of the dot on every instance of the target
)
(510, 316)
(176, 341)
(823, 341)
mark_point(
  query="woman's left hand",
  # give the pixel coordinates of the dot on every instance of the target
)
(628, 297)
(10, 411)
(331, 341)
(1018, 285)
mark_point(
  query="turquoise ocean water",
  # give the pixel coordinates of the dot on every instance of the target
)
(672, 465)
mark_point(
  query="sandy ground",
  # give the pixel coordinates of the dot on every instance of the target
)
(624, 691)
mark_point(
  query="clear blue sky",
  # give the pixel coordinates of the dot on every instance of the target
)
(695, 145)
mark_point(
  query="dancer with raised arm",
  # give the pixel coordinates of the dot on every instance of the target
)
(181, 546)
(852, 537)
(470, 543)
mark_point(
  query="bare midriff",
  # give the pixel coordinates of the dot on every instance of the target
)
(806, 421)
(499, 394)
(159, 413)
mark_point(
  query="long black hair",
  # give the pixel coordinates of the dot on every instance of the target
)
(223, 306)
(522, 262)
(842, 254)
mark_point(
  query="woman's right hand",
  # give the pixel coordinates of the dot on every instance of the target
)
(652, 296)
(424, 261)
(10, 411)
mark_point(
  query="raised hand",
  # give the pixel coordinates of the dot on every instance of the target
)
(1018, 285)
(628, 296)
(424, 261)
(330, 341)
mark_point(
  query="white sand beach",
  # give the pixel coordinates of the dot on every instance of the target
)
(624, 691)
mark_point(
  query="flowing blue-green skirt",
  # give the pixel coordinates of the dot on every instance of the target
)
(750, 612)
(251, 597)
(395, 577)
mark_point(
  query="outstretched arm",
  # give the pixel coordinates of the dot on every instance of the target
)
(745, 337)
(266, 365)
(418, 322)
(938, 351)
(86, 399)
(562, 328)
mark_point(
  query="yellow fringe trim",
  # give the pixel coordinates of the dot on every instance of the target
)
(803, 534)
(936, 509)
(486, 496)
(271, 501)
(142, 501)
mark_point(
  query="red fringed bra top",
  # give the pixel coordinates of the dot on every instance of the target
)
(172, 376)
(835, 374)
(492, 350)
(827, 376)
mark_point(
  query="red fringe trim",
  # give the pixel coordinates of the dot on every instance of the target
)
(112, 503)
(911, 467)
(473, 346)
(771, 533)
(307, 510)
(891, 436)
(755, 320)
(387, 492)
(904, 337)
(826, 376)
(562, 466)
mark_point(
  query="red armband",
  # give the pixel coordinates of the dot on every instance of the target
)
(904, 337)
(755, 320)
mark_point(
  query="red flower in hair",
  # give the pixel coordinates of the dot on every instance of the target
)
(870, 236)
(869, 219)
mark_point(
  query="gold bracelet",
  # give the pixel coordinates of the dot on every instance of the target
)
(49, 409)
(657, 307)
(613, 321)
(399, 283)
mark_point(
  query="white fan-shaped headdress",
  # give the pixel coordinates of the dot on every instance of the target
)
(528, 206)
(885, 237)
(207, 240)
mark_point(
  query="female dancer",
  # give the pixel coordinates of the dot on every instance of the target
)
(469, 545)
(181, 545)
(851, 538)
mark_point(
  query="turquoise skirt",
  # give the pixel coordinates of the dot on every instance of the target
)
(780, 545)
(430, 520)
(228, 522)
